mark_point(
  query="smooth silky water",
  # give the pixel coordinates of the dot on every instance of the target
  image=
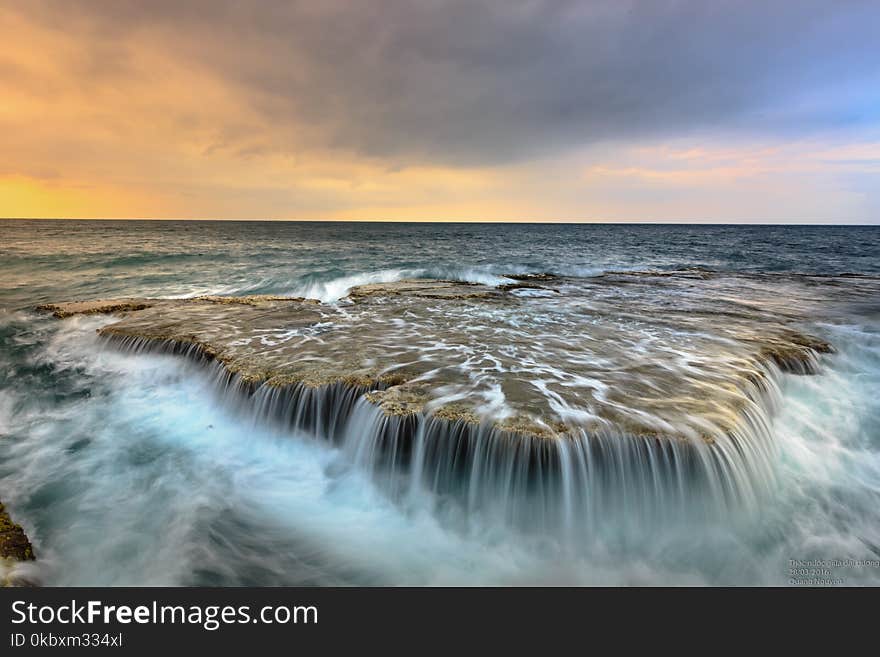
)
(129, 467)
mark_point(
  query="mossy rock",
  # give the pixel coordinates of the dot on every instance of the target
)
(14, 543)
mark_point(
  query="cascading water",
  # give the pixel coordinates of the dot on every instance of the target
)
(571, 486)
(129, 463)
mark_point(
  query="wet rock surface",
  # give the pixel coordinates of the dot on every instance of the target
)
(14, 543)
(14, 548)
(673, 355)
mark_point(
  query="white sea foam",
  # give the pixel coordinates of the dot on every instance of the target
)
(335, 289)
(131, 469)
(203, 494)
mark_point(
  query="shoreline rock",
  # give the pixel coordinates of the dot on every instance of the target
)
(404, 351)
(15, 547)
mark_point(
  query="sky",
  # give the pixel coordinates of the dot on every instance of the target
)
(436, 110)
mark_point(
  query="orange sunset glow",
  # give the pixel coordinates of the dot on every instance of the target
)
(108, 110)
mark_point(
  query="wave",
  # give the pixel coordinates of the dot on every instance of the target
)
(334, 289)
(329, 288)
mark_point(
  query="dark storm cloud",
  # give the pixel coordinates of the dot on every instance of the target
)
(485, 82)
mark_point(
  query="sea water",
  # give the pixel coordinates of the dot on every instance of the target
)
(130, 468)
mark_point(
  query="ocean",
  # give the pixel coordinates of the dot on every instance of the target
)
(133, 468)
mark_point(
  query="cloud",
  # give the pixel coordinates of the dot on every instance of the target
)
(463, 82)
(514, 110)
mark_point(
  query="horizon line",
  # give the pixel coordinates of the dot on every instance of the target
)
(604, 222)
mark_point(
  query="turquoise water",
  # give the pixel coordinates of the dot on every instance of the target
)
(130, 469)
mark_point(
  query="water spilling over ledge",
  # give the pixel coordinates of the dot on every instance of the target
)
(554, 402)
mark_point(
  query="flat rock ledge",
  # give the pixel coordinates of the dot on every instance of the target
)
(405, 342)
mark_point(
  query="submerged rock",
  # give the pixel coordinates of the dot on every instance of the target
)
(638, 395)
(98, 307)
(423, 289)
(671, 355)
(541, 276)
